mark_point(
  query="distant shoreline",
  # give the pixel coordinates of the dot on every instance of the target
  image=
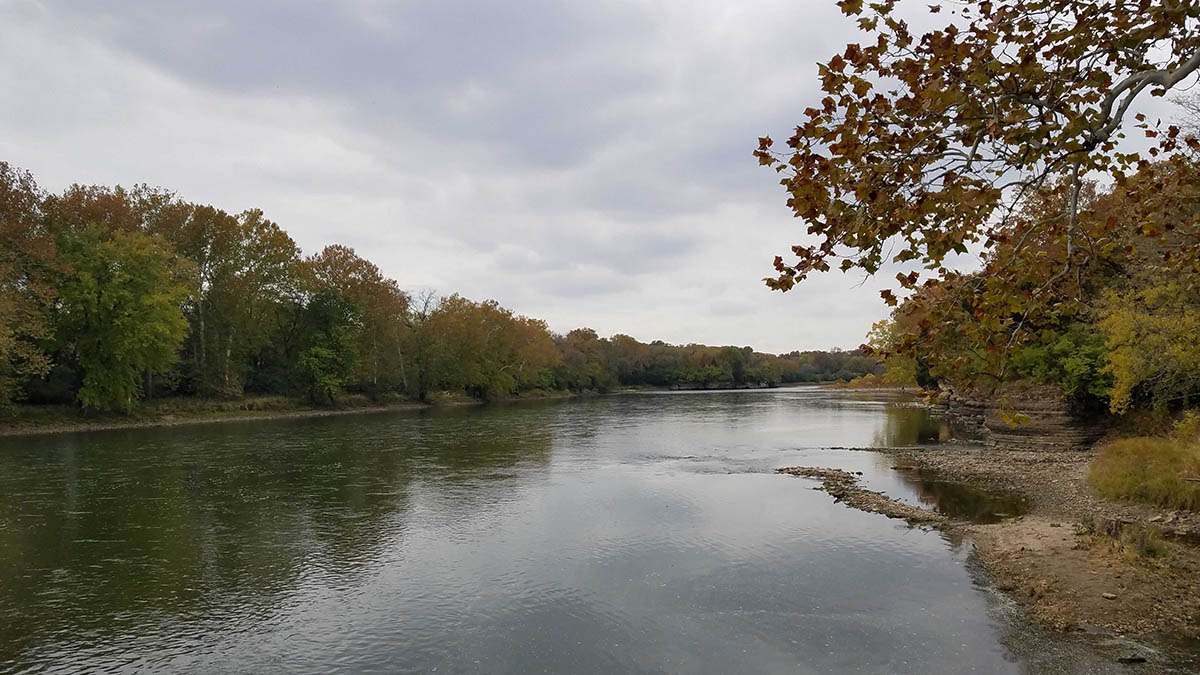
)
(65, 420)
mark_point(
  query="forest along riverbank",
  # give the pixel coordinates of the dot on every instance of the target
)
(1075, 561)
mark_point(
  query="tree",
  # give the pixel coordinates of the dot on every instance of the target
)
(244, 266)
(381, 306)
(584, 367)
(119, 311)
(882, 341)
(931, 144)
(485, 350)
(422, 350)
(26, 288)
(629, 359)
(1153, 333)
(325, 363)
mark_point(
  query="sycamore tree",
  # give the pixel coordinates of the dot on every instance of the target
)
(984, 136)
(926, 144)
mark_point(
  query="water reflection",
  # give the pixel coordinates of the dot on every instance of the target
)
(102, 532)
(616, 534)
(962, 501)
(906, 425)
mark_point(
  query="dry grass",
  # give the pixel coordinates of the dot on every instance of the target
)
(868, 381)
(1151, 470)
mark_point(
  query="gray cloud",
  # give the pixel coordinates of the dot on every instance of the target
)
(587, 163)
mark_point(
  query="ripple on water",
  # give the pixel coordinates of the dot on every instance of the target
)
(619, 534)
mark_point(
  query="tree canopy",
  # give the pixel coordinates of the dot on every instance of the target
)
(109, 296)
(1004, 134)
(927, 144)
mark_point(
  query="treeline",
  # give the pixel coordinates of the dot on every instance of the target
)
(110, 296)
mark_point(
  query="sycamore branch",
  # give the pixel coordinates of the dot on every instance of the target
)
(1132, 86)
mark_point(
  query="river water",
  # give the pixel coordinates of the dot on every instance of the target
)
(643, 533)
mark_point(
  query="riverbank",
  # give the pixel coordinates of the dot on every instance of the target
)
(1077, 560)
(1074, 561)
(38, 420)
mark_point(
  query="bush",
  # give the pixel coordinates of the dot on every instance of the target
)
(1073, 360)
(1152, 470)
(868, 381)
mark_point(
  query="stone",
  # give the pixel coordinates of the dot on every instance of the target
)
(1047, 420)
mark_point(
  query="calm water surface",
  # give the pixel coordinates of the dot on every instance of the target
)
(625, 534)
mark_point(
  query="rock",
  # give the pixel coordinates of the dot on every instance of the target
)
(843, 487)
(1109, 596)
(1155, 519)
(1046, 419)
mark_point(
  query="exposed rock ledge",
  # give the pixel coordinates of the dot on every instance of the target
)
(844, 487)
(1022, 416)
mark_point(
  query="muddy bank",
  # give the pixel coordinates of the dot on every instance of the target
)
(1122, 578)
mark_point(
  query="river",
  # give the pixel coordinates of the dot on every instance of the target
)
(641, 533)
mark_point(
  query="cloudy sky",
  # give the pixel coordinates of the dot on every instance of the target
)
(588, 163)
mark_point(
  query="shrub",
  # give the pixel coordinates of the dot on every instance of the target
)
(1073, 360)
(868, 381)
(1152, 470)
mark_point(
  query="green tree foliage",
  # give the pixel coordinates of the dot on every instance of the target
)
(1153, 333)
(1074, 359)
(327, 358)
(585, 364)
(381, 307)
(899, 369)
(1119, 332)
(119, 312)
(486, 350)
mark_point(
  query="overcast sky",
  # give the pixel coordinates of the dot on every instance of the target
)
(588, 163)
